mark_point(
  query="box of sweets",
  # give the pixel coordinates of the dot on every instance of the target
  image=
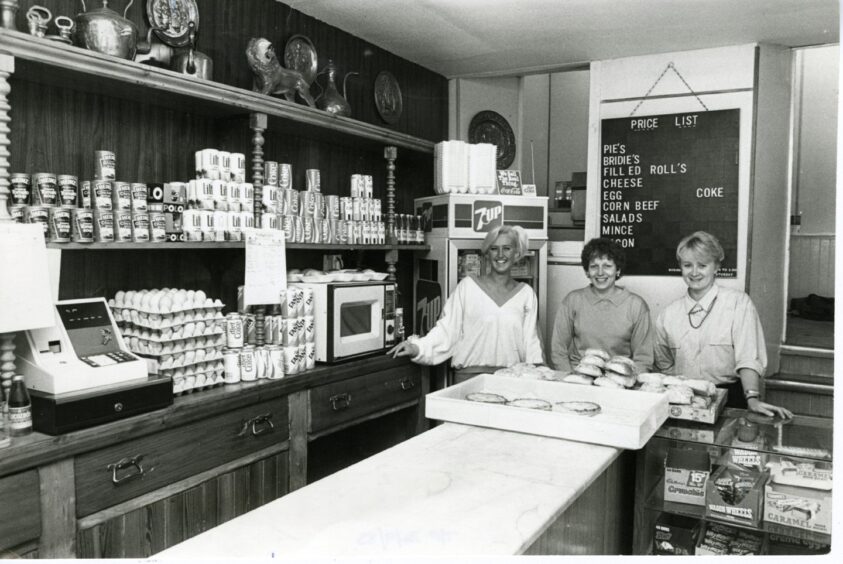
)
(675, 534)
(798, 494)
(686, 473)
(735, 495)
(718, 539)
(701, 414)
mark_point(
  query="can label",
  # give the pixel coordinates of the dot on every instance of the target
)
(298, 229)
(356, 209)
(231, 365)
(18, 212)
(301, 357)
(288, 225)
(319, 205)
(292, 303)
(85, 200)
(122, 226)
(368, 186)
(309, 329)
(225, 165)
(140, 227)
(332, 206)
(209, 164)
(102, 195)
(285, 176)
(140, 195)
(346, 208)
(60, 224)
(20, 187)
(276, 362)
(233, 331)
(45, 192)
(82, 226)
(307, 205)
(313, 178)
(238, 167)
(376, 210)
(269, 220)
(270, 173)
(291, 360)
(104, 226)
(269, 198)
(157, 227)
(20, 418)
(247, 219)
(247, 197)
(356, 187)
(105, 165)
(249, 328)
(325, 231)
(40, 214)
(68, 190)
(309, 231)
(293, 202)
(248, 365)
(309, 356)
(234, 203)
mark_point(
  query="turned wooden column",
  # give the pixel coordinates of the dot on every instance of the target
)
(257, 123)
(7, 67)
(390, 153)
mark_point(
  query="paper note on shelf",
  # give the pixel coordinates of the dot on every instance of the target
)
(25, 281)
(266, 266)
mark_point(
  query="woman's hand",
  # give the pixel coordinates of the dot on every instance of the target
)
(759, 406)
(404, 348)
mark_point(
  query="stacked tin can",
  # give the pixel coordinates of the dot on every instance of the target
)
(220, 203)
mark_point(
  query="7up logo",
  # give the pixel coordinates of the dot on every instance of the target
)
(487, 215)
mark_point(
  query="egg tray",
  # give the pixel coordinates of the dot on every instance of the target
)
(180, 383)
(160, 368)
(215, 324)
(161, 354)
(193, 369)
(132, 333)
(164, 321)
(215, 304)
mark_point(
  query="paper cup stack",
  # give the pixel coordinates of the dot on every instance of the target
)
(179, 332)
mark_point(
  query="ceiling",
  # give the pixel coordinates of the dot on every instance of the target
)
(506, 37)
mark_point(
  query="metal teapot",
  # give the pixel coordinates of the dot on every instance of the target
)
(330, 99)
(105, 31)
(191, 62)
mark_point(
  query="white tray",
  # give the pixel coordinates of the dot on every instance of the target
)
(627, 418)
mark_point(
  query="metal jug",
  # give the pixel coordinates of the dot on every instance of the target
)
(330, 99)
(191, 61)
(105, 31)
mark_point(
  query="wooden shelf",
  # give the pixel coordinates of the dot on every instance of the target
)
(47, 62)
(226, 245)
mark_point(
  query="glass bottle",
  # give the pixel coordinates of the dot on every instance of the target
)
(399, 324)
(20, 409)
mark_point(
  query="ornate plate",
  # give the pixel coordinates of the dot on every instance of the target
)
(170, 18)
(491, 127)
(300, 55)
(388, 98)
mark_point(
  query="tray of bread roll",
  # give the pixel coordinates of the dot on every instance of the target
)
(543, 405)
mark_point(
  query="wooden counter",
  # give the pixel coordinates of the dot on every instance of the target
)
(453, 490)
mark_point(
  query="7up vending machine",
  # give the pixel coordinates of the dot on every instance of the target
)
(455, 226)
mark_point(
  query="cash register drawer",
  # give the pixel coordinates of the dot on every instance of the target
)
(115, 474)
(335, 404)
(20, 513)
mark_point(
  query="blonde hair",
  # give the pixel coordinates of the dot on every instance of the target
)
(522, 242)
(703, 244)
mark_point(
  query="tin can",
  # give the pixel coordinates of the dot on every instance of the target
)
(122, 226)
(269, 221)
(209, 228)
(121, 196)
(289, 337)
(18, 212)
(234, 199)
(336, 231)
(247, 197)
(40, 214)
(332, 206)
(288, 225)
(301, 357)
(353, 232)
(20, 185)
(220, 225)
(285, 176)
(261, 362)
(238, 167)
(192, 224)
(307, 204)
(219, 195)
(247, 219)
(82, 225)
(298, 229)
(269, 199)
(293, 202)
(103, 226)
(44, 191)
(249, 336)
(270, 173)
(356, 188)
(325, 231)
(157, 227)
(209, 164)
(309, 329)
(377, 213)
(308, 229)
(269, 328)
(276, 362)
(366, 209)
(381, 233)
(234, 226)
(102, 195)
(318, 205)
(308, 301)
(291, 361)
(140, 195)
(248, 364)
(309, 356)
(365, 233)
(225, 165)
(201, 192)
(313, 180)
(85, 195)
(368, 186)
(292, 302)
(68, 190)
(140, 227)
(231, 365)
(105, 165)
(346, 208)
(60, 224)
(234, 331)
(356, 213)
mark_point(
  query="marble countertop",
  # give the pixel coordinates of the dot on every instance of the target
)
(453, 490)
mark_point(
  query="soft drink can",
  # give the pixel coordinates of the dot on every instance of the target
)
(332, 206)
(356, 188)
(301, 357)
(261, 362)
(102, 195)
(82, 225)
(270, 173)
(355, 233)
(289, 227)
(309, 356)
(376, 210)
(68, 190)
(368, 186)
(365, 233)
(381, 233)
(208, 228)
(307, 204)
(300, 330)
(269, 198)
(247, 219)
(292, 306)
(234, 199)
(281, 201)
(234, 226)
(234, 331)
(276, 362)
(285, 176)
(220, 194)
(238, 167)
(268, 329)
(247, 197)
(291, 362)
(122, 226)
(313, 180)
(293, 201)
(309, 329)
(140, 196)
(325, 231)
(288, 331)
(59, 217)
(356, 212)
(20, 188)
(308, 301)
(231, 365)
(45, 189)
(308, 226)
(220, 225)
(346, 208)
(269, 221)
(249, 328)
(140, 227)
(105, 165)
(336, 231)
(248, 364)
(298, 229)
(209, 164)
(365, 209)
(225, 165)
(319, 205)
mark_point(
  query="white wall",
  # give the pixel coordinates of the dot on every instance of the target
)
(569, 100)
(469, 96)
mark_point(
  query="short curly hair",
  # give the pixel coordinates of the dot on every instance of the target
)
(597, 248)
(703, 244)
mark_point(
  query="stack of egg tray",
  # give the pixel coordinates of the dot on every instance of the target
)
(182, 340)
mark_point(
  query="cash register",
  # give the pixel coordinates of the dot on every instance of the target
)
(80, 373)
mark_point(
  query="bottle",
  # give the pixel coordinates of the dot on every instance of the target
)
(20, 408)
(399, 324)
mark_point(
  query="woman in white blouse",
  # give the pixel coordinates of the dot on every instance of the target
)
(490, 320)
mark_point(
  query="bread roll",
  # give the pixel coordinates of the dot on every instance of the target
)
(598, 353)
(702, 402)
(593, 360)
(650, 378)
(653, 388)
(701, 387)
(680, 395)
(608, 383)
(672, 381)
(619, 368)
(625, 381)
(578, 379)
(589, 370)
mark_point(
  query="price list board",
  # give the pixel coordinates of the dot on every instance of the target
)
(663, 177)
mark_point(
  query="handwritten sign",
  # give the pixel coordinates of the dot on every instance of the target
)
(266, 266)
(662, 177)
(509, 182)
(528, 190)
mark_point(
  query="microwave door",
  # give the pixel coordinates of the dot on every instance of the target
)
(358, 320)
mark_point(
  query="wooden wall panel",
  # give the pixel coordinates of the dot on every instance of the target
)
(811, 265)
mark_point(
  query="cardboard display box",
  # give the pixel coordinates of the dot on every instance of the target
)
(735, 495)
(686, 473)
(708, 415)
(718, 539)
(675, 534)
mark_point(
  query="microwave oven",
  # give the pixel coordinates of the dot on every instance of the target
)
(352, 319)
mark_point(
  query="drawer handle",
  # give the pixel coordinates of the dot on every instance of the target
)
(257, 425)
(133, 462)
(407, 384)
(340, 401)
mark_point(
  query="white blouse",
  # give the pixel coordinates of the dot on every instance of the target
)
(473, 330)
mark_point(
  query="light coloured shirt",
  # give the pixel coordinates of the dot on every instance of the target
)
(474, 331)
(728, 336)
(618, 323)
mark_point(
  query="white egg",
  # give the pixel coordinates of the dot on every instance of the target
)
(118, 297)
(190, 294)
(136, 300)
(200, 296)
(218, 303)
(178, 318)
(128, 297)
(166, 362)
(178, 359)
(179, 373)
(167, 334)
(188, 329)
(209, 314)
(199, 355)
(209, 303)
(155, 302)
(134, 316)
(165, 304)
(167, 349)
(190, 382)
(189, 316)
(200, 327)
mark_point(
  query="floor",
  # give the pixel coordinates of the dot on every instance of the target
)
(808, 333)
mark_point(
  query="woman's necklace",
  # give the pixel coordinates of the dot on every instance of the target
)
(697, 309)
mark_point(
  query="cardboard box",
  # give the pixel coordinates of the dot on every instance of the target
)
(803, 508)
(735, 495)
(686, 473)
(675, 534)
(717, 539)
(690, 413)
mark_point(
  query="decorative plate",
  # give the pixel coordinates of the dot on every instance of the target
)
(300, 55)
(170, 18)
(491, 127)
(388, 98)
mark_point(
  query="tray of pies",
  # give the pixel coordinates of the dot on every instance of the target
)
(618, 418)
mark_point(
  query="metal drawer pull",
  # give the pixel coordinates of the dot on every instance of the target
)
(340, 401)
(252, 425)
(125, 463)
(407, 384)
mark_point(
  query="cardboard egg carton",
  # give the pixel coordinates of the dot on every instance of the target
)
(217, 335)
(153, 321)
(202, 381)
(163, 301)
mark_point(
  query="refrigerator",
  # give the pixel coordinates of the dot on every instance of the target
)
(455, 226)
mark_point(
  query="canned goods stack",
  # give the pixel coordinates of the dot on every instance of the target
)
(244, 360)
(180, 331)
(220, 203)
(408, 229)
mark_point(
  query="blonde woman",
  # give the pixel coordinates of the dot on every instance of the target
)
(489, 322)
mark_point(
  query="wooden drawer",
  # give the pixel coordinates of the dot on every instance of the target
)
(115, 474)
(20, 509)
(338, 403)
